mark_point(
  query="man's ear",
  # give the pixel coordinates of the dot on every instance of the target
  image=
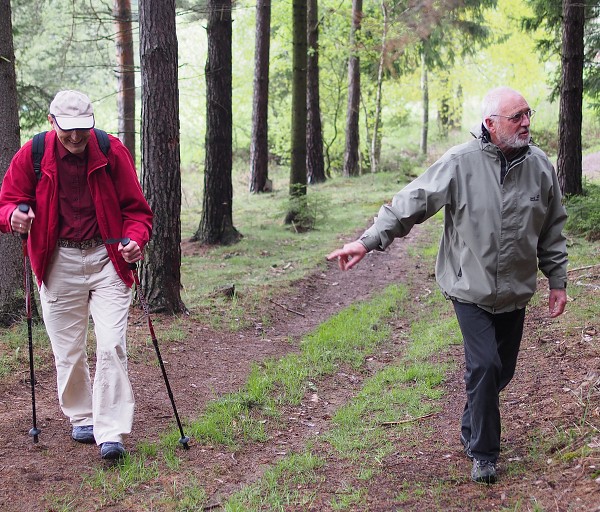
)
(51, 120)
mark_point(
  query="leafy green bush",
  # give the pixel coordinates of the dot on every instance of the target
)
(546, 138)
(584, 212)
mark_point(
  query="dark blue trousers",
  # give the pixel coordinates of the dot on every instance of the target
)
(491, 344)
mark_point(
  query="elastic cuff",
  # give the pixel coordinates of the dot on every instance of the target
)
(557, 283)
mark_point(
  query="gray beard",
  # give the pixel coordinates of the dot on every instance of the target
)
(515, 142)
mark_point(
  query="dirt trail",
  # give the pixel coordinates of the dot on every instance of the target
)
(557, 383)
(591, 166)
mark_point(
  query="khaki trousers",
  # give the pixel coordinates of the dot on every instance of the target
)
(80, 282)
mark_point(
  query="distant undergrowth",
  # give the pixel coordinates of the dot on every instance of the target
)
(584, 213)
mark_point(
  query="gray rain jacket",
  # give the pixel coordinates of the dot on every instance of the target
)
(496, 234)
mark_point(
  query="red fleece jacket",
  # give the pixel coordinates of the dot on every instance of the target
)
(121, 208)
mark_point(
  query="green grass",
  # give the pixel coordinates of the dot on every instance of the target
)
(344, 339)
(239, 418)
(279, 486)
(363, 429)
(14, 348)
(277, 254)
(405, 390)
(121, 479)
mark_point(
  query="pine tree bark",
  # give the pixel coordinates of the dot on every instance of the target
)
(125, 74)
(315, 163)
(569, 163)
(12, 302)
(161, 178)
(352, 153)
(299, 116)
(259, 144)
(216, 223)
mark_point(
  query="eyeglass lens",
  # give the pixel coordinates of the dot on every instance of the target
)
(518, 117)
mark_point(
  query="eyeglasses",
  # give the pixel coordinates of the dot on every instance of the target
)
(517, 118)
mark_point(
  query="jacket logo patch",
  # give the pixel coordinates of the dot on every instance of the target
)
(535, 198)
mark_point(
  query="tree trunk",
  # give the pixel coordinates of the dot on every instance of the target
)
(375, 140)
(161, 178)
(457, 109)
(425, 93)
(571, 98)
(299, 115)
(315, 164)
(259, 144)
(216, 224)
(125, 74)
(351, 153)
(444, 107)
(12, 303)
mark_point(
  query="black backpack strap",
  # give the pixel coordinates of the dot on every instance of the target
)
(104, 143)
(37, 149)
(103, 140)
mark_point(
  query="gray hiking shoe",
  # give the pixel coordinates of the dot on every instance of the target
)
(467, 446)
(484, 471)
(112, 450)
(83, 434)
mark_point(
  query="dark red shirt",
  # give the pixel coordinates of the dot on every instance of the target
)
(76, 212)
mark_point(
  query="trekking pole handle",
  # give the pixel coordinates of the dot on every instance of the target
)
(124, 242)
(24, 208)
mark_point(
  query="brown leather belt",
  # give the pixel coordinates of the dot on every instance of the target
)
(84, 244)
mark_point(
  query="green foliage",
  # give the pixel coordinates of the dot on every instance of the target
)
(545, 137)
(307, 212)
(584, 212)
(61, 44)
(547, 17)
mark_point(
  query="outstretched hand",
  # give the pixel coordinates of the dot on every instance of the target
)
(349, 255)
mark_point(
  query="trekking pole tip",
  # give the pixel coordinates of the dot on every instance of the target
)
(184, 442)
(35, 432)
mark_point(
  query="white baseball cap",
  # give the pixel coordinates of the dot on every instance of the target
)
(72, 110)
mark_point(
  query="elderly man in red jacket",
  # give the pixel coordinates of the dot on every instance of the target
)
(81, 204)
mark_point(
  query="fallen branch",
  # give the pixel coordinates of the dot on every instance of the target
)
(583, 268)
(401, 422)
(588, 285)
(212, 506)
(287, 309)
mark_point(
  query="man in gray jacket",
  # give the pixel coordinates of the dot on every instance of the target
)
(503, 219)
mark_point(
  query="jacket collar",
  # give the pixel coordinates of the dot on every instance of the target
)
(484, 136)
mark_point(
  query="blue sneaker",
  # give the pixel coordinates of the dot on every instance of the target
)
(83, 434)
(111, 451)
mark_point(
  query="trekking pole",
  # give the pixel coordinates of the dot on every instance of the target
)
(34, 432)
(184, 440)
